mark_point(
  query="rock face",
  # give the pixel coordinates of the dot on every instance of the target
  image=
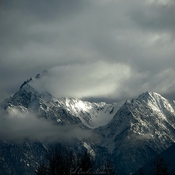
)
(132, 132)
(140, 129)
(20, 158)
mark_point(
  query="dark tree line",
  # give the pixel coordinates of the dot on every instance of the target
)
(63, 161)
(158, 168)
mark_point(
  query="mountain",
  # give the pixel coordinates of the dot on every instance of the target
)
(131, 132)
(140, 129)
(20, 159)
(65, 111)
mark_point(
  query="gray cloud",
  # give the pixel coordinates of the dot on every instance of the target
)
(82, 81)
(18, 126)
(73, 38)
(156, 16)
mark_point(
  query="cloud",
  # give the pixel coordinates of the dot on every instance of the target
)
(87, 80)
(96, 82)
(136, 35)
(156, 16)
(17, 126)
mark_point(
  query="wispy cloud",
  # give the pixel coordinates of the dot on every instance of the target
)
(95, 80)
(18, 126)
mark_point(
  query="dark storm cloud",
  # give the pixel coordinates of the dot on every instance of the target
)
(27, 32)
(157, 16)
(42, 9)
(74, 38)
(26, 22)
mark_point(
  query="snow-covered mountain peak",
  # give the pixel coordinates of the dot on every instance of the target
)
(150, 117)
(91, 114)
(156, 102)
(76, 104)
(31, 98)
(132, 131)
(28, 88)
(34, 81)
(148, 95)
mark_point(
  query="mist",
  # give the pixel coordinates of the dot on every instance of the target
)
(84, 80)
(96, 82)
(18, 126)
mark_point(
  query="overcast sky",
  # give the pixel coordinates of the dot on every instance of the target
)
(92, 49)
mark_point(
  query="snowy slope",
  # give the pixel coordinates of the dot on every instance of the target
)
(65, 111)
(141, 128)
(92, 115)
(133, 132)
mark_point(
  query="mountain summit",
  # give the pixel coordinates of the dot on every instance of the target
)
(141, 128)
(64, 110)
(133, 132)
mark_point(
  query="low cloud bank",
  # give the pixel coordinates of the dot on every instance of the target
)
(18, 126)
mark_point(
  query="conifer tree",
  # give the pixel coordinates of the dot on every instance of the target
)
(61, 161)
(159, 167)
